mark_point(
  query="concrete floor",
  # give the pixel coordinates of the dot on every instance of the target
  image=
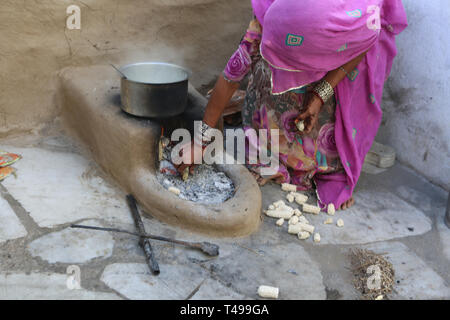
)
(397, 213)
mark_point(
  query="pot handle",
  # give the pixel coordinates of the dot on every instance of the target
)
(117, 69)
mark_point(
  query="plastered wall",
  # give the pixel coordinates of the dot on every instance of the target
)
(416, 120)
(35, 44)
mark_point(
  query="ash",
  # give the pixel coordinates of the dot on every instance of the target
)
(207, 185)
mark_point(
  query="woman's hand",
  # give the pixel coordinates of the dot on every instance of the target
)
(310, 116)
(220, 96)
(187, 159)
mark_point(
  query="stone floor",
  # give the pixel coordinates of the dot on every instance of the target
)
(397, 213)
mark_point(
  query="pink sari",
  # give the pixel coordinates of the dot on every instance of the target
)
(303, 40)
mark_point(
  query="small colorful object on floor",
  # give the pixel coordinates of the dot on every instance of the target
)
(7, 159)
(5, 172)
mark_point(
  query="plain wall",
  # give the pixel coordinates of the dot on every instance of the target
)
(416, 120)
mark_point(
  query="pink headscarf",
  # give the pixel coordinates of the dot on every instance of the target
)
(303, 40)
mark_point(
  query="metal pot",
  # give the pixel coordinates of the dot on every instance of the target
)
(154, 89)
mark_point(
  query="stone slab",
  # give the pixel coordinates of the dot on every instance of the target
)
(60, 187)
(10, 226)
(134, 281)
(444, 234)
(414, 278)
(286, 266)
(376, 216)
(73, 245)
(44, 286)
(214, 290)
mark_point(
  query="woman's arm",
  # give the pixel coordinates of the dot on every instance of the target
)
(335, 76)
(237, 68)
(222, 93)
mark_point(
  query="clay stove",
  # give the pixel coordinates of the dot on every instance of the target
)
(126, 148)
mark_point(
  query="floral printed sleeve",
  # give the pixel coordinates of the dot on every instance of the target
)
(240, 62)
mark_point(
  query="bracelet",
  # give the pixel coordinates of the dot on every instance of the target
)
(342, 69)
(201, 133)
(324, 90)
(228, 80)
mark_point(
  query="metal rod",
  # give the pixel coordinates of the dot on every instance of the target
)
(141, 235)
(143, 242)
(209, 248)
(79, 226)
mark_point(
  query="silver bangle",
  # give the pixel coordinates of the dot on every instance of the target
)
(202, 135)
(324, 90)
(342, 69)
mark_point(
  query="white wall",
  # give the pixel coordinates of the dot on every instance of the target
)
(416, 120)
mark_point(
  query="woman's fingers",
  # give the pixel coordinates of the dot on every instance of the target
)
(312, 123)
(181, 167)
(307, 119)
(311, 114)
(187, 160)
(303, 115)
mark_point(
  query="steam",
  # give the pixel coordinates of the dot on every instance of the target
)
(155, 53)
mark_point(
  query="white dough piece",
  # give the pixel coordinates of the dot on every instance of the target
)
(288, 187)
(286, 207)
(303, 235)
(280, 222)
(290, 198)
(280, 213)
(340, 223)
(268, 292)
(300, 125)
(306, 227)
(300, 198)
(174, 190)
(293, 220)
(294, 229)
(299, 227)
(331, 210)
(278, 203)
(328, 221)
(316, 237)
(311, 209)
(271, 207)
(303, 219)
(297, 212)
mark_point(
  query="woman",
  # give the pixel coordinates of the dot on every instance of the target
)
(323, 64)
